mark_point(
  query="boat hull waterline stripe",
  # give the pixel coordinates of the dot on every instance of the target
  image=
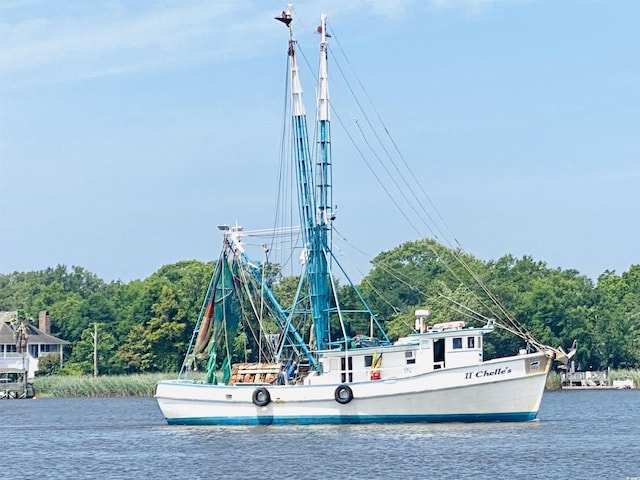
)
(356, 419)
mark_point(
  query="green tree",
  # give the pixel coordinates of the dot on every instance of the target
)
(617, 319)
(81, 359)
(48, 364)
(159, 345)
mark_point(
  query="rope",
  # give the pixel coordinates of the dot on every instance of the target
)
(402, 185)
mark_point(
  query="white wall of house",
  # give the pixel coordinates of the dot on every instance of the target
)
(11, 359)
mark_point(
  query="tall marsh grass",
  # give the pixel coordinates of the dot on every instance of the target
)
(626, 374)
(554, 381)
(139, 385)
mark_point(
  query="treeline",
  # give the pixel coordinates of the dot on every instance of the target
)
(557, 306)
(146, 325)
(143, 325)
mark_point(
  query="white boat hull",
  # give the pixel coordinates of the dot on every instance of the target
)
(508, 389)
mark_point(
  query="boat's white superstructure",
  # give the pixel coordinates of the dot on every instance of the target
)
(437, 376)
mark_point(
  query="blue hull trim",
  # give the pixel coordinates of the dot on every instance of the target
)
(356, 419)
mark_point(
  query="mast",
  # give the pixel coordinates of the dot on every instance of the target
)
(323, 191)
(312, 208)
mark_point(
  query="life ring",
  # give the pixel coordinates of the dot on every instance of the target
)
(261, 397)
(343, 394)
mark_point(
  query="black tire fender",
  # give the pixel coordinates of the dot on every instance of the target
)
(343, 394)
(261, 397)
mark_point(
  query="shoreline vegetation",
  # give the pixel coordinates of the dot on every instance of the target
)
(144, 385)
(146, 325)
(135, 385)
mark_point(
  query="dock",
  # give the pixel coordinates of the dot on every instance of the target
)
(14, 383)
(593, 380)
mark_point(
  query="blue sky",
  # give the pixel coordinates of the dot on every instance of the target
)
(129, 130)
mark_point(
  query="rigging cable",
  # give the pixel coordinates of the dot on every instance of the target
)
(433, 225)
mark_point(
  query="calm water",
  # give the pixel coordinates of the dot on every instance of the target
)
(579, 434)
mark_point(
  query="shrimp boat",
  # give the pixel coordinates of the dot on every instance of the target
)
(304, 365)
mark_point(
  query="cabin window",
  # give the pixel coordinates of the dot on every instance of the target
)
(470, 342)
(479, 342)
(347, 369)
(457, 343)
(368, 360)
(409, 355)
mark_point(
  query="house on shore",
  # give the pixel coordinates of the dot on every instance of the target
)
(22, 344)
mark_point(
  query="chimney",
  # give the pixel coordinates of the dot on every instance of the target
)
(44, 322)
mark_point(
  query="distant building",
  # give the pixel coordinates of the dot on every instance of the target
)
(22, 344)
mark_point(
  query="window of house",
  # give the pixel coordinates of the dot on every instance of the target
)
(457, 343)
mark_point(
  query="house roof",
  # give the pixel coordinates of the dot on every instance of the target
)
(8, 316)
(8, 325)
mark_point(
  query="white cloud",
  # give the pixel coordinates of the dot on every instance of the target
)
(70, 41)
(110, 40)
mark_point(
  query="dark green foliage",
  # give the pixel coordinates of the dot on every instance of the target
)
(556, 306)
(146, 325)
(48, 365)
